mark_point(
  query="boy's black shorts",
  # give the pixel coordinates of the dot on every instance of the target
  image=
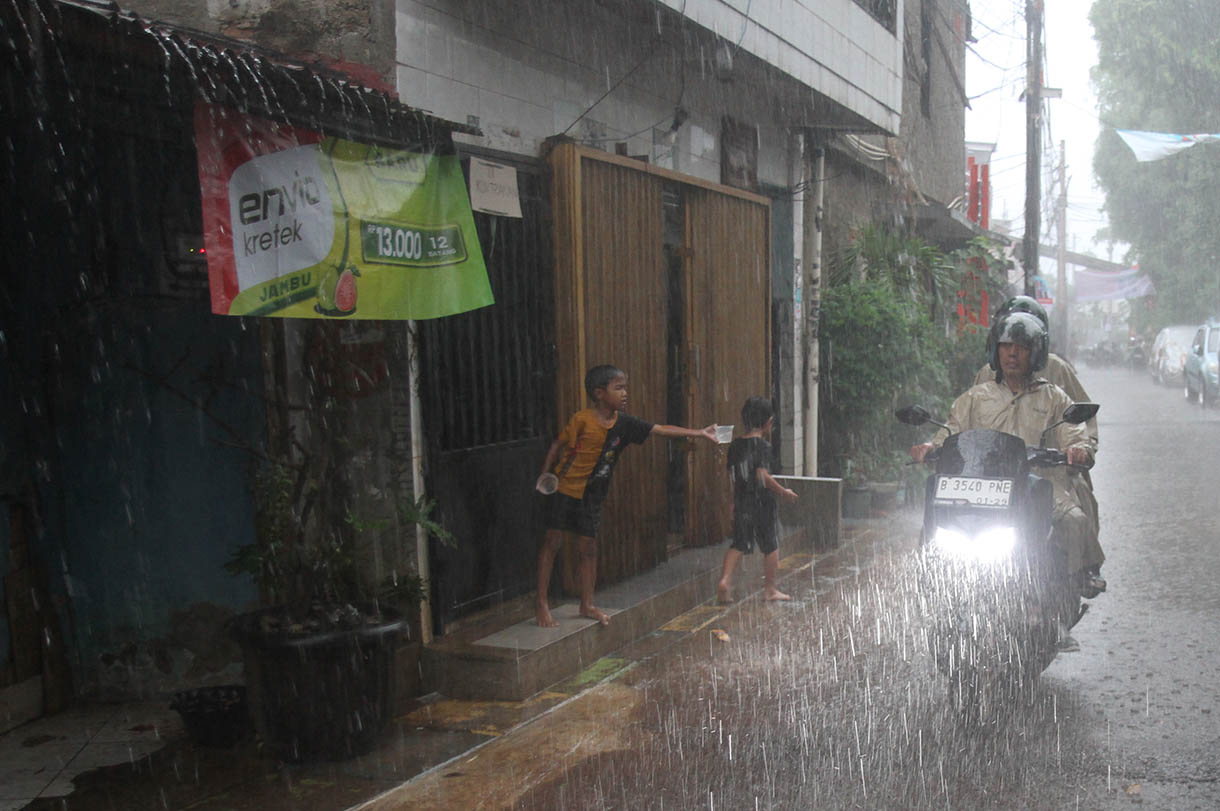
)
(573, 515)
(755, 530)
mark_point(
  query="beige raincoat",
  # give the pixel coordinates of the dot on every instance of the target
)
(1063, 374)
(1027, 414)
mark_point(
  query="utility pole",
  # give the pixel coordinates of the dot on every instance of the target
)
(1061, 299)
(1033, 140)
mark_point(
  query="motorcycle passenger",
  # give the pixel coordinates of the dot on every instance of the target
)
(1060, 372)
(1020, 402)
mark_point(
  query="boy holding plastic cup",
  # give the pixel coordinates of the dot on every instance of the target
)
(576, 477)
(755, 510)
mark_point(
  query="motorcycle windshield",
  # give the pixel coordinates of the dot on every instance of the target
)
(982, 452)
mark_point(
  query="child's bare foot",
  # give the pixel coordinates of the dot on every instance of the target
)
(724, 594)
(775, 594)
(543, 614)
(595, 613)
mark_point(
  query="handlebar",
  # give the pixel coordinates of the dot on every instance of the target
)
(1047, 457)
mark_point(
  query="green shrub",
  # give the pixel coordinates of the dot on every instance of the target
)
(889, 336)
(879, 351)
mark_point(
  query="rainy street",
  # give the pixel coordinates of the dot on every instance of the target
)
(381, 379)
(831, 701)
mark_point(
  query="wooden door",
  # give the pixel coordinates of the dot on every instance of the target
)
(729, 316)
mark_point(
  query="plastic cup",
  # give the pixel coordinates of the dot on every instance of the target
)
(547, 483)
(724, 434)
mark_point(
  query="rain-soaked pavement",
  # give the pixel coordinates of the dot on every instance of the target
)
(832, 701)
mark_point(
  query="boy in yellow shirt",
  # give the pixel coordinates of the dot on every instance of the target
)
(594, 439)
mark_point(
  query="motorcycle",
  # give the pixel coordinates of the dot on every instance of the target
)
(1103, 354)
(1137, 355)
(995, 584)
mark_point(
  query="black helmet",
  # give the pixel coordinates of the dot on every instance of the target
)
(1019, 328)
(1024, 304)
(1016, 304)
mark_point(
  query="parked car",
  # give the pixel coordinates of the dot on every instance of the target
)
(1201, 372)
(1168, 354)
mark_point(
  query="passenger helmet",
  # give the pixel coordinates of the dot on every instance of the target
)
(1024, 304)
(1024, 329)
(1016, 304)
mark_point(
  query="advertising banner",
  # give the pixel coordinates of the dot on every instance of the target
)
(1098, 285)
(299, 225)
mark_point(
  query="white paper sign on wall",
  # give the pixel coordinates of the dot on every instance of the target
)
(493, 188)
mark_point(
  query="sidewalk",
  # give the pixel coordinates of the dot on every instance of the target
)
(147, 763)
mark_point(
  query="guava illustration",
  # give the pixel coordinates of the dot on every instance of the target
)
(336, 294)
(345, 292)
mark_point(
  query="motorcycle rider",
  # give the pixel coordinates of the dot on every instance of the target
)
(1020, 402)
(1060, 372)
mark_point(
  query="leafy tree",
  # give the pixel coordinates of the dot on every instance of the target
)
(1158, 70)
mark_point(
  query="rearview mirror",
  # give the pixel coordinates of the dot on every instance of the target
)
(1077, 413)
(912, 415)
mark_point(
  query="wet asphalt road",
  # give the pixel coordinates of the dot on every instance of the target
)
(1149, 668)
(832, 700)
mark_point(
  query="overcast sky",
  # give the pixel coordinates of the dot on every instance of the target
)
(995, 79)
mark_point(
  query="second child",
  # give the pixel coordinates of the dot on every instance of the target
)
(754, 492)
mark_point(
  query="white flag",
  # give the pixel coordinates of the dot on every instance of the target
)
(1151, 146)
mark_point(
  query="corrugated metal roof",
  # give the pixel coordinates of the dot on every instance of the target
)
(228, 71)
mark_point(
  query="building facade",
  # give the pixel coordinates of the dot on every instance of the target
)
(666, 158)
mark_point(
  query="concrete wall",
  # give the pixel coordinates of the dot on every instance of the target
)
(927, 156)
(354, 36)
(934, 142)
(832, 47)
(601, 72)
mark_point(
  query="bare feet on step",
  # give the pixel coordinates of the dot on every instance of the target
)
(543, 614)
(595, 613)
(775, 594)
(724, 594)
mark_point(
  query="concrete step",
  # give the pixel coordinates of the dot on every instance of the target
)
(505, 656)
(513, 659)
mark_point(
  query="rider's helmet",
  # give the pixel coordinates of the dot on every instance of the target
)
(1016, 304)
(1023, 304)
(1024, 329)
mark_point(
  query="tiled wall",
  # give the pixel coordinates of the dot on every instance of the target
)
(528, 70)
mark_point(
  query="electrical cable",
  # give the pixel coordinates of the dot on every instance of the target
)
(613, 87)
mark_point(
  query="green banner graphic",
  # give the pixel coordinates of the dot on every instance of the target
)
(312, 227)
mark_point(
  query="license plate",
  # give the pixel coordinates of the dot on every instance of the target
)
(983, 492)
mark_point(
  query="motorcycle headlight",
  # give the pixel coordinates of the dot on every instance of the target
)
(991, 544)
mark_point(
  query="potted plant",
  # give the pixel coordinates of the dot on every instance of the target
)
(319, 658)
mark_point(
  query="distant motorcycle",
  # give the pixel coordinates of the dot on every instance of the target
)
(997, 588)
(1103, 353)
(1137, 355)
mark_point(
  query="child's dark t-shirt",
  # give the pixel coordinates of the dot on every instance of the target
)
(592, 452)
(752, 502)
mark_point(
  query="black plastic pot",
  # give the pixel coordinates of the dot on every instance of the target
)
(325, 695)
(214, 716)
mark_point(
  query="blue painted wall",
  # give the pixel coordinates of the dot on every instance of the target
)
(152, 502)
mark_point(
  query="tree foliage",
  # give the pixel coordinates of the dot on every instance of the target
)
(1158, 70)
(890, 337)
